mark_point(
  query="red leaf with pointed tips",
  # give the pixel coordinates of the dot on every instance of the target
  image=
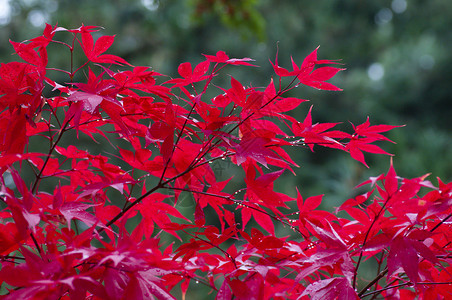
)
(253, 148)
(77, 210)
(331, 289)
(405, 253)
(93, 51)
(309, 76)
(222, 57)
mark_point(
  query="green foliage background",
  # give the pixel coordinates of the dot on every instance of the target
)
(404, 45)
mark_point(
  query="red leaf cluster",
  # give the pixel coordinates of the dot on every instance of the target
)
(188, 194)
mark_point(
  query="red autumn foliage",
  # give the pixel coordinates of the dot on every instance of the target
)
(76, 225)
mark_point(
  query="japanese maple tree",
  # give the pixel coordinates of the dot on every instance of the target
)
(77, 224)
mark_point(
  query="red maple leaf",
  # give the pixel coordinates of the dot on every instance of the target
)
(309, 214)
(364, 136)
(93, 51)
(77, 210)
(155, 211)
(89, 97)
(222, 57)
(356, 146)
(373, 131)
(331, 289)
(10, 238)
(189, 75)
(315, 134)
(260, 190)
(405, 253)
(20, 85)
(308, 75)
(254, 148)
